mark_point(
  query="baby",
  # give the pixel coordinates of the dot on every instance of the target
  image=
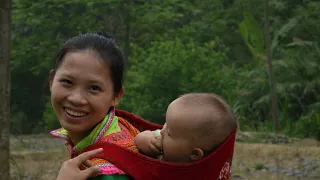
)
(196, 124)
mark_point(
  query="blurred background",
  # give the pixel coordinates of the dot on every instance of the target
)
(174, 47)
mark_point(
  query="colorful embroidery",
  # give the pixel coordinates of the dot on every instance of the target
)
(123, 136)
(104, 129)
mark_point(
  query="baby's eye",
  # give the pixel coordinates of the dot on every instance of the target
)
(94, 88)
(168, 134)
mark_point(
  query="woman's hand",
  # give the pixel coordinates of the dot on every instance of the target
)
(80, 168)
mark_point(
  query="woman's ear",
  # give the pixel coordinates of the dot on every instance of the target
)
(51, 77)
(118, 97)
(196, 154)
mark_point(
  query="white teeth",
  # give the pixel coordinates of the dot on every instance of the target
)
(73, 113)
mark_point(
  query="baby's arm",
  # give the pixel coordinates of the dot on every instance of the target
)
(149, 143)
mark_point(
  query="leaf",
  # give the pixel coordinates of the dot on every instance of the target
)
(282, 32)
(252, 35)
(245, 36)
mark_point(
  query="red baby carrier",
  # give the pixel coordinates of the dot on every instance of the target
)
(217, 165)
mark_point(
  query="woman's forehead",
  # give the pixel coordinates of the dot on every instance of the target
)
(83, 66)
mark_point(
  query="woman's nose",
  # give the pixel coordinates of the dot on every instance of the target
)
(77, 98)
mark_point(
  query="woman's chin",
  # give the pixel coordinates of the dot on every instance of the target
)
(73, 128)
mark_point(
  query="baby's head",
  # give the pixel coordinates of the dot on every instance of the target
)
(196, 124)
(86, 81)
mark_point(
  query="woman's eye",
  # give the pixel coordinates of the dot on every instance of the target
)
(94, 88)
(66, 81)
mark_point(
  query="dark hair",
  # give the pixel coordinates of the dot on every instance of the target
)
(105, 46)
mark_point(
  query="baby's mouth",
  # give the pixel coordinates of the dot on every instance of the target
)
(74, 113)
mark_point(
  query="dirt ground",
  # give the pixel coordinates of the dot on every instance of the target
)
(39, 157)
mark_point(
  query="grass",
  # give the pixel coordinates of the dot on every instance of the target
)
(34, 157)
(269, 161)
(259, 166)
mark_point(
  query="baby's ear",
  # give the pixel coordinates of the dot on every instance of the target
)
(196, 154)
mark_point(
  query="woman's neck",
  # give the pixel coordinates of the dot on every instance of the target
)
(77, 137)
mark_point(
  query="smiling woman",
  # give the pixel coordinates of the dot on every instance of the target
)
(86, 85)
(79, 103)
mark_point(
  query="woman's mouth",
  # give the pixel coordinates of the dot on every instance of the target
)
(74, 113)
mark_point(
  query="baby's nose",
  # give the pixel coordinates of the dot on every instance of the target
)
(161, 132)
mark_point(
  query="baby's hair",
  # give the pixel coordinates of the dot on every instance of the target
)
(216, 115)
(104, 45)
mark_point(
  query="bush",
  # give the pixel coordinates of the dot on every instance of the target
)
(168, 69)
(308, 126)
(50, 118)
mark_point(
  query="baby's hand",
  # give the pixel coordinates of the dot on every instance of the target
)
(155, 145)
(149, 143)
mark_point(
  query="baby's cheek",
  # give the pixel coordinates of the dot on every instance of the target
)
(165, 146)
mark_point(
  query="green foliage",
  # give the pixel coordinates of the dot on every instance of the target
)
(252, 35)
(174, 47)
(282, 33)
(308, 126)
(258, 166)
(168, 69)
(50, 119)
(299, 84)
(297, 72)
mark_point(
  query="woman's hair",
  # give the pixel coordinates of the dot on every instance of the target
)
(105, 46)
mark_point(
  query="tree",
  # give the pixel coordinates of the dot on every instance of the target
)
(5, 38)
(271, 75)
(168, 69)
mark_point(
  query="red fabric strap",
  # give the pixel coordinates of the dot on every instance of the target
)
(215, 166)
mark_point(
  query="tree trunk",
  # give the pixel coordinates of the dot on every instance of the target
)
(5, 47)
(272, 81)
